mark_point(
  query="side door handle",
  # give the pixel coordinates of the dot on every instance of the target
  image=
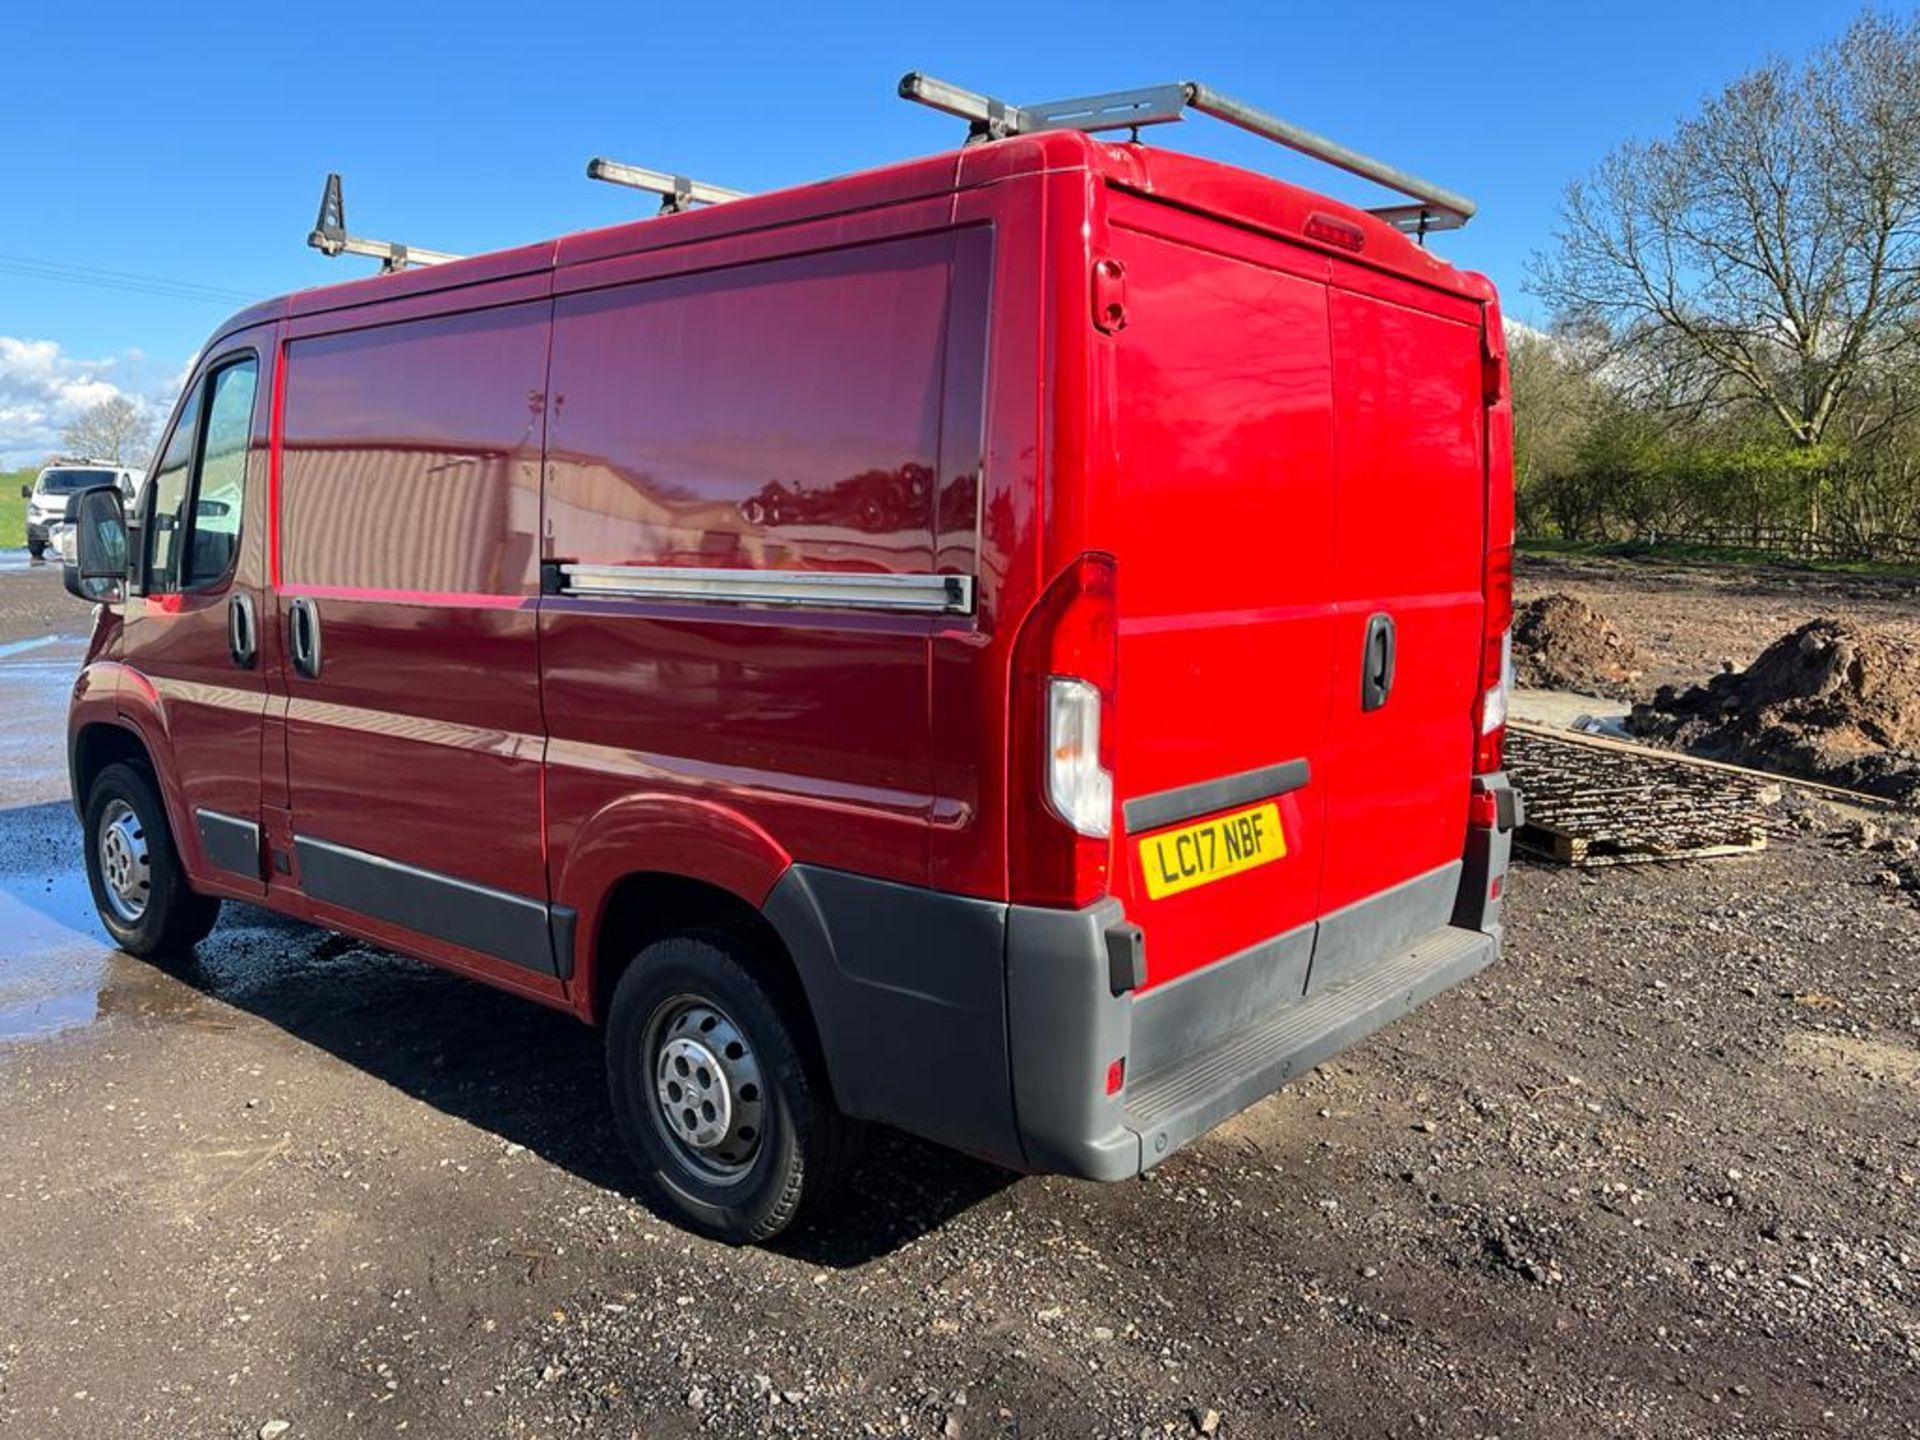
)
(243, 636)
(303, 636)
(1376, 664)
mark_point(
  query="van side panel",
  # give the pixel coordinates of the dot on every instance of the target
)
(783, 415)
(1407, 544)
(1223, 415)
(408, 507)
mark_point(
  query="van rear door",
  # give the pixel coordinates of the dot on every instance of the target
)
(1222, 417)
(1408, 533)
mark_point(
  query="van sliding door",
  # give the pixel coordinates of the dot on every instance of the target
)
(739, 515)
(407, 590)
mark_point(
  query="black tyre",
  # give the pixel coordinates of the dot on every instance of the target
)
(725, 1111)
(36, 548)
(139, 887)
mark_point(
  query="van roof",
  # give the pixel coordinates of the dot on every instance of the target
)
(1211, 187)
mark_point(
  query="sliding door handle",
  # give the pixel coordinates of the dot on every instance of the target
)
(243, 636)
(303, 637)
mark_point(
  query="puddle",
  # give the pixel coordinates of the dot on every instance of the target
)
(53, 954)
(36, 678)
(20, 647)
(60, 972)
(15, 557)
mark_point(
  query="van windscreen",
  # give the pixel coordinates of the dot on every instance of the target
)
(65, 482)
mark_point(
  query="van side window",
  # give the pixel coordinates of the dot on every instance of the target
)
(411, 454)
(195, 526)
(778, 415)
(168, 496)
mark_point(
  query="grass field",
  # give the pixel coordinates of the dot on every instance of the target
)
(1685, 554)
(13, 510)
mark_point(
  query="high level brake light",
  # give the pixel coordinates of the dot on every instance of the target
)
(1065, 662)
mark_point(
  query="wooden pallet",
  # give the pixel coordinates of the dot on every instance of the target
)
(1605, 804)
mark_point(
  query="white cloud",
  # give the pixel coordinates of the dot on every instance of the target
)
(42, 389)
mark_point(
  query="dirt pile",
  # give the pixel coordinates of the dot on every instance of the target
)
(1562, 643)
(1833, 702)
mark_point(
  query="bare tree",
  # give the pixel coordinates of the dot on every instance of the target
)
(1768, 252)
(114, 429)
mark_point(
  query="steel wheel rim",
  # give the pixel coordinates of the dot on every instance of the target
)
(707, 1095)
(126, 874)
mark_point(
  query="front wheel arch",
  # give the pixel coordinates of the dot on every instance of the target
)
(98, 745)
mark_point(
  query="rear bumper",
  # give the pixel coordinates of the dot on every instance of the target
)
(992, 1027)
(1062, 1033)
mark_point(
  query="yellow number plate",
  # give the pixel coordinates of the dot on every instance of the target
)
(1177, 860)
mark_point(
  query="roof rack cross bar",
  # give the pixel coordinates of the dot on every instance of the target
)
(1435, 208)
(329, 236)
(1431, 197)
(676, 192)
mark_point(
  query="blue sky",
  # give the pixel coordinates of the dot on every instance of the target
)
(188, 144)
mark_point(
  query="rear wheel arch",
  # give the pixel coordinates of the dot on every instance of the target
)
(646, 906)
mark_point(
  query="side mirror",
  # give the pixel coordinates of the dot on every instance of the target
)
(26, 492)
(99, 571)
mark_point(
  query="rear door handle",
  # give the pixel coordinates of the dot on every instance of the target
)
(243, 638)
(1376, 664)
(303, 636)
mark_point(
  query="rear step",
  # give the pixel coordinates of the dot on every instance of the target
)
(1191, 1096)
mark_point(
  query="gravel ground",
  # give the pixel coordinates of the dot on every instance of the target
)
(1656, 1173)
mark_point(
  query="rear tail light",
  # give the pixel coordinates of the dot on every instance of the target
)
(1061, 816)
(1079, 785)
(1496, 664)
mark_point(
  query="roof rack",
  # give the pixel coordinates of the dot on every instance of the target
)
(329, 236)
(676, 192)
(1434, 208)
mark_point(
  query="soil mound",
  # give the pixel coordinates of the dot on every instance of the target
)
(1563, 643)
(1832, 702)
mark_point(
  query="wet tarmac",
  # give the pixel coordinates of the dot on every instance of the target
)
(15, 557)
(36, 676)
(54, 957)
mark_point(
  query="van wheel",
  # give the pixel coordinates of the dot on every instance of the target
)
(139, 886)
(735, 1133)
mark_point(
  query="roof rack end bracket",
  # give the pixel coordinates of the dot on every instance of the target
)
(330, 237)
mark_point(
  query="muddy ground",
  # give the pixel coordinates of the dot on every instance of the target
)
(1689, 622)
(1657, 1174)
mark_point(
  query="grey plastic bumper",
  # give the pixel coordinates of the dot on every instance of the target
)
(1065, 1027)
(992, 1027)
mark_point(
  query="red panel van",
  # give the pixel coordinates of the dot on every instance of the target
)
(1009, 646)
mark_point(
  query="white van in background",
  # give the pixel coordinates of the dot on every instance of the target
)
(47, 497)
